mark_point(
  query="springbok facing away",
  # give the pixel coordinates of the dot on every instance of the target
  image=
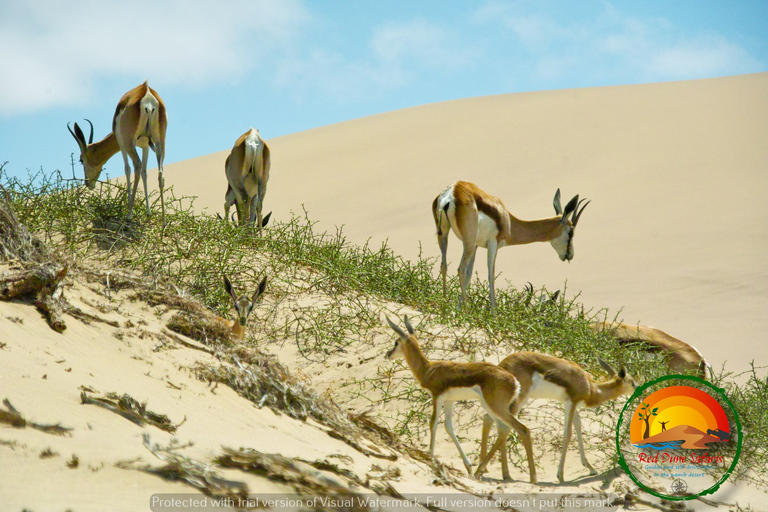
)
(545, 376)
(448, 381)
(140, 120)
(481, 220)
(680, 356)
(247, 169)
(243, 306)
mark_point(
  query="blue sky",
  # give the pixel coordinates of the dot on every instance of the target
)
(287, 66)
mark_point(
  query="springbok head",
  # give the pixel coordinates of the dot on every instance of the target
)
(91, 165)
(569, 217)
(243, 303)
(627, 383)
(398, 351)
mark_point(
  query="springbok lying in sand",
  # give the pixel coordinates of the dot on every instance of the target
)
(448, 381)
(243, 306)
(140, 120)
(680, 356)
(481, 220)
(247, 169)
(545, 376)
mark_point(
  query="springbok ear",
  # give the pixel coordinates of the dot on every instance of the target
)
(570, 207)
(556, 203)
(554, 296)
(398, 330)
(265, 220)
(260, 289)
(622, 372)
(79, 137)
(608, 368)
(408, 325)
(229, 289)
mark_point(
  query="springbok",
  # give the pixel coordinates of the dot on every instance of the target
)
(247, 169)
(448, 381)
(680, 356)
(243, 307)
(545, 376)
(140, 120)
(481, 220)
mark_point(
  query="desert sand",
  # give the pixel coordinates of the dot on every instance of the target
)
(674, 238)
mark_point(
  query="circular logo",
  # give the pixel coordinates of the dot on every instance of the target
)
(678, 437)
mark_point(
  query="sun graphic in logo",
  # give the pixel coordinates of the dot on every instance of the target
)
(678, 437)
(678, 417)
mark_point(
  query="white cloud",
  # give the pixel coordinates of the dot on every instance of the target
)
(699, 57)
(609, 43)
(398, 55)
(55, 52)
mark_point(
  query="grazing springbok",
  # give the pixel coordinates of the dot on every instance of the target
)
(449, 381)
(545, 376)
(243, 307)
(140, 120)
(680, 356)
(481, 220)
(247, 169)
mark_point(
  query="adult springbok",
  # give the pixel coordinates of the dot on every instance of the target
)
(481, 220)
(247, 169)
(545, 376)
(680, 356)
(243, 306)
(140, 120)
(449, 381)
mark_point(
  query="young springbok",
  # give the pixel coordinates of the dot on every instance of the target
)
(140, 120)
(243, 307)
(247, 169)
(680, 356)
(449, 381)
(545, 376)
(481, 220)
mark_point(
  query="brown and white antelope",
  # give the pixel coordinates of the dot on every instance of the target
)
(247, 170)
(545, 376)
(140, 120)
(680, 356)
(449, 381)
(243, 307)
(481, 220)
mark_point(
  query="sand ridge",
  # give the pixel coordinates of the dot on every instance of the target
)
(676, 173)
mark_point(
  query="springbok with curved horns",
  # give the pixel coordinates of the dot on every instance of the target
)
(247, 169)
(243, 306)
(545, 376)
(481, 220)
(449, 381)
(140, 120)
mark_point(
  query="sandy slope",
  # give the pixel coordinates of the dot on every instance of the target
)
(675, 234)
(42, 374)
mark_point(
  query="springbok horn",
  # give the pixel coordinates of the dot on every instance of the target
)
(577, 212)
(73, 133)
(90, 139)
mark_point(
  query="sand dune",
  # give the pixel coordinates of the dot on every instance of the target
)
(675, 234)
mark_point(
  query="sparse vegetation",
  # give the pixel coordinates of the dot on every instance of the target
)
(355, 285)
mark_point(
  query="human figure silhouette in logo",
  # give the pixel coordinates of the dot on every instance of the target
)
(663, 425)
